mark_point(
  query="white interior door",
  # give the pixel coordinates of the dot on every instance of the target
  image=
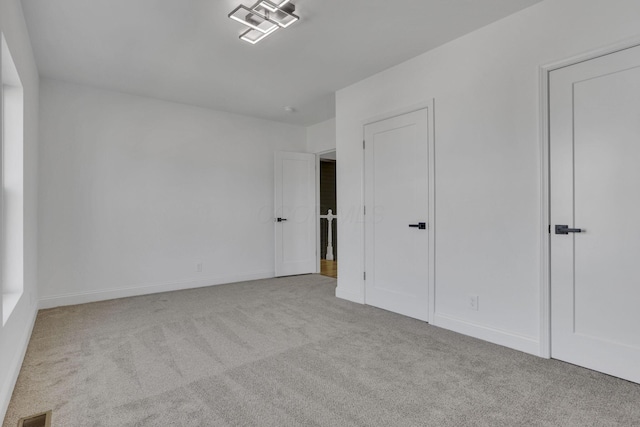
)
(295, 213)
(595, 179)
(396, 222)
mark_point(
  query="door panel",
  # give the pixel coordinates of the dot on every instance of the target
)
(295, 195)
(595, 153)
(396, 195)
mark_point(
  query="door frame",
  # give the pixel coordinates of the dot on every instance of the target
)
(545, 189)
(429, 104)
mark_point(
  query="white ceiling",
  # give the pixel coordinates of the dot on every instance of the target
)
(188, 50)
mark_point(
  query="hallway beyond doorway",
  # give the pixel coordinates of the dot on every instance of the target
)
(328, 248)
(329, 268)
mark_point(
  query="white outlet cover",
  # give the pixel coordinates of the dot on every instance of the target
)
(473, 302)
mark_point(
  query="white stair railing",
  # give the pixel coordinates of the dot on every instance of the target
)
(329, 217)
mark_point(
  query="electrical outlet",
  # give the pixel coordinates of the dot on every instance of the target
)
(199, 267)
(473, 302)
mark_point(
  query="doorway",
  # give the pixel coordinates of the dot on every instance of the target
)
(328, 249)
(594, 204)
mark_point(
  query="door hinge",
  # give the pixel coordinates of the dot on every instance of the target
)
(364, 210)
(364, 275)
(363, 144)
(549, 228)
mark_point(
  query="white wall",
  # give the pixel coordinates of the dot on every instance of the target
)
(135, 192)
(487, 159)
(321, 137)
(14, 335)
(13, 194)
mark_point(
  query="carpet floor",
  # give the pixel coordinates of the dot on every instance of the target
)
(286, 352)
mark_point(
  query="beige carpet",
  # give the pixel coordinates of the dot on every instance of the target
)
(286, 352)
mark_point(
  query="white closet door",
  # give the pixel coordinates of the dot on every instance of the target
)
(396, 220)
(595, 206)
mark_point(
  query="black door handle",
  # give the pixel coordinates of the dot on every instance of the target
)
(564, 229)
(281, 219)
(419, 226)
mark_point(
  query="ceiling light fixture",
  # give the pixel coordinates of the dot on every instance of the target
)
(252, 19)
(253, 36)
(274, 5)
(264, 18)
(281, 15)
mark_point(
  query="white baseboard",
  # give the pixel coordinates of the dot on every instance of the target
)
(349, 296)
(508, 339)
(6, 389)
(107, 294)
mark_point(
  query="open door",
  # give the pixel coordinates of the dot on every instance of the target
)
(295, 213)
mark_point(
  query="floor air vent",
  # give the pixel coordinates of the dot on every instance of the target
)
(37, 420)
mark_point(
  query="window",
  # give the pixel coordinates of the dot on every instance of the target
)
(12, 230)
